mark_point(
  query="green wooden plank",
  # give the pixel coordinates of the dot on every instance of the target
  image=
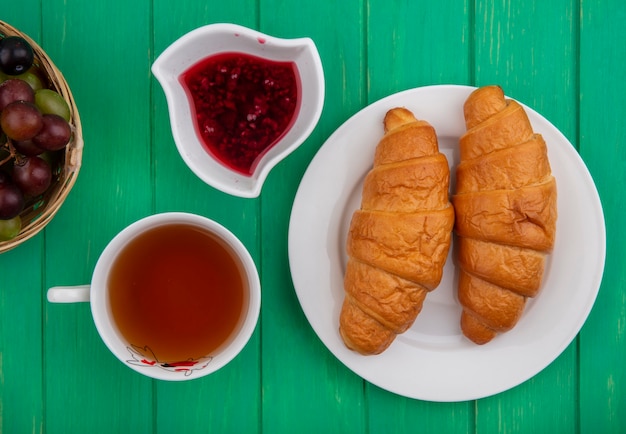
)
(26, 17)
(410, 45)
(21, 378)
(511, 50)
(228, 400)
(602, 90)
(21, 384)
(104, 56)
(305, 388)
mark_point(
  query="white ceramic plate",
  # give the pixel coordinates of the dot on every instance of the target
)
(433, 361)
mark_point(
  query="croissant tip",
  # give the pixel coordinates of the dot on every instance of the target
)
(396, 117)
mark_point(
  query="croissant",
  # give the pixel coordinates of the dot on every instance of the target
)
(505, 213)
(399, 239)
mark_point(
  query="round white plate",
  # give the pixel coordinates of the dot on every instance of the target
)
(433, 361)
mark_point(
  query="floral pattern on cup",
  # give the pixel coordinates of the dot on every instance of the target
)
(144, 356)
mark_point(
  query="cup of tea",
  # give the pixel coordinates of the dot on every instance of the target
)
(174, 296)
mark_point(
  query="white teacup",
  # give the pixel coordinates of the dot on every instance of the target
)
(141, 356)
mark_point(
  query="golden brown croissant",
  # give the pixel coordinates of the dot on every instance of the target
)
(399, 239)
(505, 206)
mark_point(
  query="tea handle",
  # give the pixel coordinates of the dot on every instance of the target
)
(68, 294)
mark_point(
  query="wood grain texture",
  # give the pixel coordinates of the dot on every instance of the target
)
(418, 43)
(21, 380)
(113, 190)
(21, 282)
(602, 110)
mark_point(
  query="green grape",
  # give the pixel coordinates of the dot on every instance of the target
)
(32, 79)
(10, 228)
(51, 102)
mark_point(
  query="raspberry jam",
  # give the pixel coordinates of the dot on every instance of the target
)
(242, 105)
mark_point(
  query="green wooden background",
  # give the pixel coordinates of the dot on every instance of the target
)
(565, 58)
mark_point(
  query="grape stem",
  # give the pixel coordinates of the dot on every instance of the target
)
(9, 146)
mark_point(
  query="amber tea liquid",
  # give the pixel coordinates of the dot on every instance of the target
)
(177, 290)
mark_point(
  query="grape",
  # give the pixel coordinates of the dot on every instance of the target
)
(11, 198)
(32, 175)
(21, 120)
(34, 127)
(27, 147)
(16, 55)
(32, 78)
(15, 90)
(54, 134)
(51, 102)
(10, 228)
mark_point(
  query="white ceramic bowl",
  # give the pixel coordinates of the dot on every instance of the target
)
(217, 38)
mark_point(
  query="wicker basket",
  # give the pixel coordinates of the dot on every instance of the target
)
(40, 210)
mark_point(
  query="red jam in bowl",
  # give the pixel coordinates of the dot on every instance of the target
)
(242, 105)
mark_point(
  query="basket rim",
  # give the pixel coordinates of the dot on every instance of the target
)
(42, 213)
